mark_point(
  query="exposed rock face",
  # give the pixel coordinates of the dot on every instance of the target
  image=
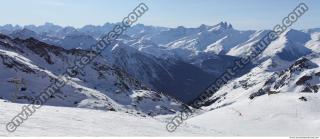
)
(301, 76)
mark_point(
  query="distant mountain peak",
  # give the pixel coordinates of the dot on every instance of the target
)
(49, 24)
(203, 26)
(222, 25)
(24, 33)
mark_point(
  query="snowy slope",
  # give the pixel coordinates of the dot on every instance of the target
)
(275, 115)
(59, 121)
(314, 43)
(246, 47)
(289, 46)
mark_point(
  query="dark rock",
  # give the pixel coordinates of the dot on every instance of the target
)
(23, 89)
(303, 80)
(256, 94)
(303, 98)
(112, 109)
(307, 89)
(273, 92)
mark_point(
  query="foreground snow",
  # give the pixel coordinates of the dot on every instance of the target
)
(275, 115)
(60, 121)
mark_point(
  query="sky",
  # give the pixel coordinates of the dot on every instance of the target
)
(242, 14)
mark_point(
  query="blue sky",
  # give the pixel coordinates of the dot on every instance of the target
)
(242, 14)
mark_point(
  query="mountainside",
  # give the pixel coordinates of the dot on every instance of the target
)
(246, 47)
(97, 86)
(289, 46)
(170, 76)
(218, 39)
(314, 43)
(300, 76)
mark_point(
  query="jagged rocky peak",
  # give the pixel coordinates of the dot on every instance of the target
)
(223, 25)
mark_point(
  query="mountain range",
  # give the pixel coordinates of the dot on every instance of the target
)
(158, 70)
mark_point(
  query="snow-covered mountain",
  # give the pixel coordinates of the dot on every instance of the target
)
(300, 76)
(289, 46)
(217, 39)
(156, 52)
(246, 47)
(97, 86)
(152, 70)
(179, 42)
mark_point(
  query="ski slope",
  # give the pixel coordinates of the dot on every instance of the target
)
(274, 115)
(282, 114)
(63, 121)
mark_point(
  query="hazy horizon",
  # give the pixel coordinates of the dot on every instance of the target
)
(146, 25)
(243, 15)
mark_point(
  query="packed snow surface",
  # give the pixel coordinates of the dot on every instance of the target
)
(63, 121)
(275, 115)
